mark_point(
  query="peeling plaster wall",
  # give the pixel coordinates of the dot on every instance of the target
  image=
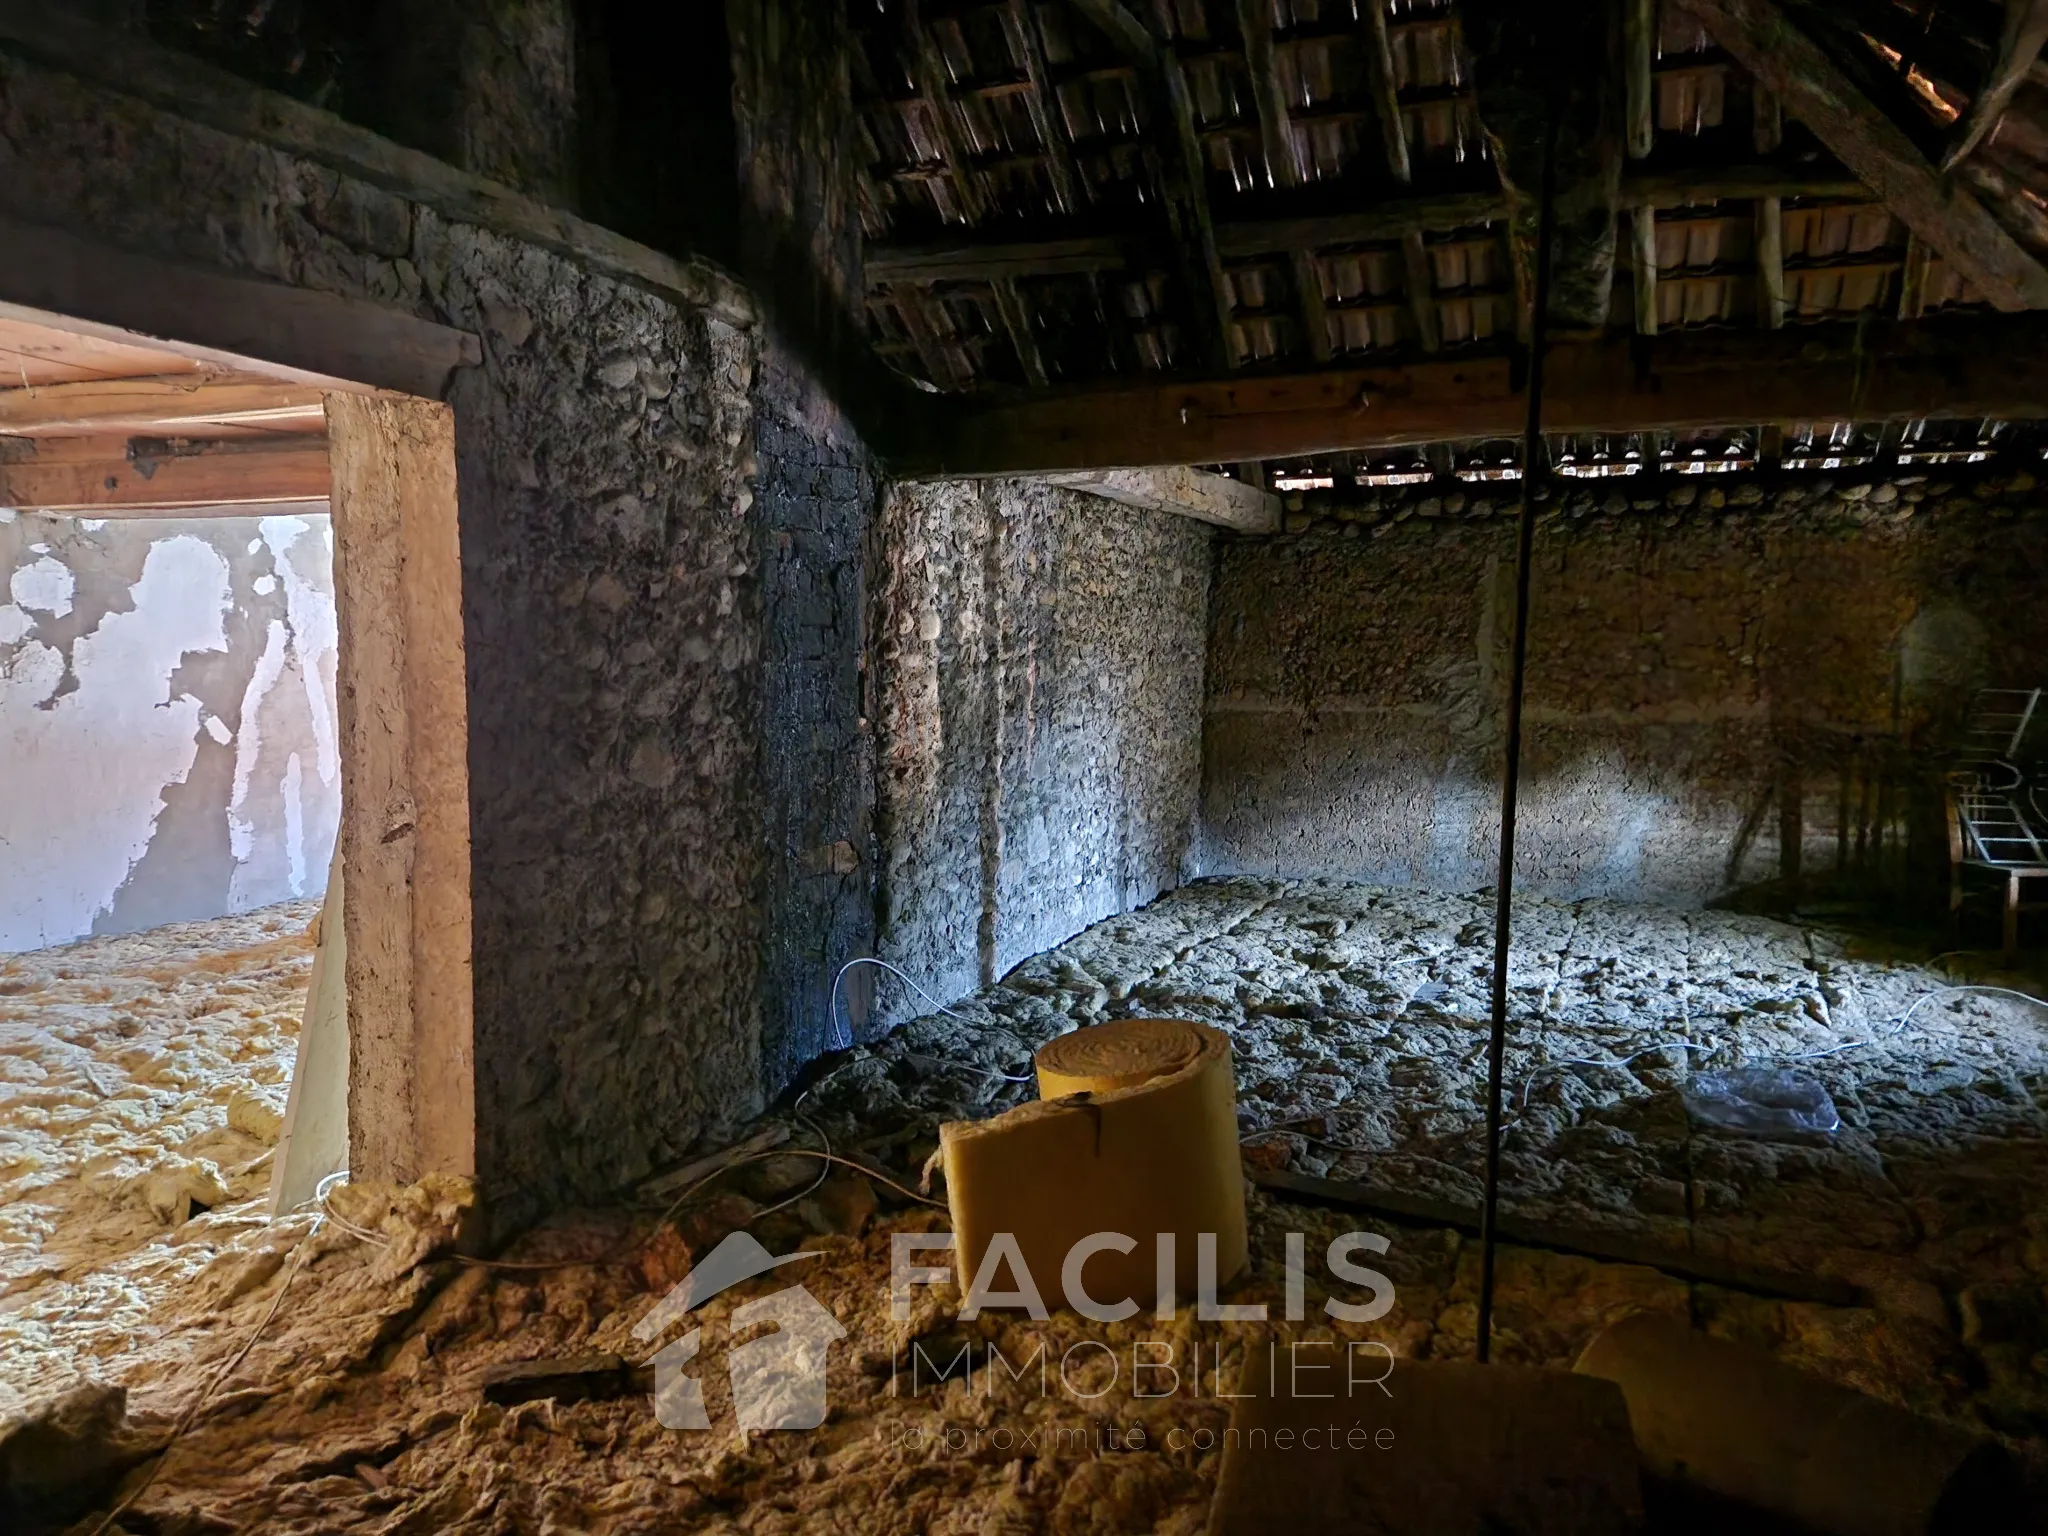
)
(167, 725)
(1727, 687)
(1041, 657)
(612, 615)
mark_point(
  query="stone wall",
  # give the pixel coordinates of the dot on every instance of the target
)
(816, 495)
(1731, 681)
(167, 719)
(612, 610)
(1041, 657)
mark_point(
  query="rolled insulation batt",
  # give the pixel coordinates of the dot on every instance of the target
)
(1136, 1134)
(1735, 1422)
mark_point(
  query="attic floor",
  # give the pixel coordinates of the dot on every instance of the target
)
(1356, 1016)
(142, 1081)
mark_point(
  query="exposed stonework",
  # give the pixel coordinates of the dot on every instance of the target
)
(612, 620)
(1709, 662)
(816, 494)
(1041, 656)
(1928, 1198)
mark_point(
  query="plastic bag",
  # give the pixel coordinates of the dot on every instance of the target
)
(1762, 1101)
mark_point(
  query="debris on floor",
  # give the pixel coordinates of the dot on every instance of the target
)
(142, 1084)
(365, 1402)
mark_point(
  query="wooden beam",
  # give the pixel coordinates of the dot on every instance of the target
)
(403, 724)
(1043, 103)
(1421, 278)
(1191, 193)
(160, 405)
(1766, 118)
(1123, 29)
(1184, 492)
(1642, 223)
(1551, 75)
(1770, 263)
(1386, 100)
(1276, 130)
(1185, 176)
(936, 88)
(1913, 278)
(1815, 89)
(1016, 317)
(1638, 51)
(84, 474)
(1678, 380)
(964, 259)
(2026, 29)
(1315, 314)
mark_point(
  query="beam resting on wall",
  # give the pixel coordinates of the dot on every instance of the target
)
(1960, 368)
(1185, 492)
(108, 474)
(173, 402)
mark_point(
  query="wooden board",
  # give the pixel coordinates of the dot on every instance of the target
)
(1882, 372)
(194, 402)
(405, 788)
(69, 474)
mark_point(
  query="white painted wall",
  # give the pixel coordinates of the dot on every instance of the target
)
(167, 723)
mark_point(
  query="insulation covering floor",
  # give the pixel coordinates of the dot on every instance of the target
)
(1356, 1018)
(142, 1082)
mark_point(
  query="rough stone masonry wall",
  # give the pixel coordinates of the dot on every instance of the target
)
(611, 606)
(1729, 682)
(817, 494)
(167, 719)
(1041, 657)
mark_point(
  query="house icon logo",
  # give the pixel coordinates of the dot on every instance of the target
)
(778, 1380)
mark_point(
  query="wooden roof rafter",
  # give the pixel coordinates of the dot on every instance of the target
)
(1247, 189)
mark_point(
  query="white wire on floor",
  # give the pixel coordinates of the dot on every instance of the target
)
(837, 1043)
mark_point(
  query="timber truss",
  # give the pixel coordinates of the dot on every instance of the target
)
(1128, 232)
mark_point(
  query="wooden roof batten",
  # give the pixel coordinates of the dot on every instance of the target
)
(1379, 258)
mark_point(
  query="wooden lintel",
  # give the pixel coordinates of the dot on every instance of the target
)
(52, 277)
(85, 475)
(1184, 492)
(1815, 89)
(969, 260)
(172, 402)
(1962, 368)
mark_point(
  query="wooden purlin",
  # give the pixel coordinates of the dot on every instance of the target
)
(1996, 367)
(965, 259)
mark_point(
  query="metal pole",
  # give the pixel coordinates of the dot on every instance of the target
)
(1511, 768)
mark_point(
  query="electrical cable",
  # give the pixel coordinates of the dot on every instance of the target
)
(1518, 676)
(206, 1394)
(832, 997)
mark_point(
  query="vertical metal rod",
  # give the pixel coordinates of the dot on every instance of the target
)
(1511, 767)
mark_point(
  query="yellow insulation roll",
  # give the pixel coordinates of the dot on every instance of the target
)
(1135, 1134)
